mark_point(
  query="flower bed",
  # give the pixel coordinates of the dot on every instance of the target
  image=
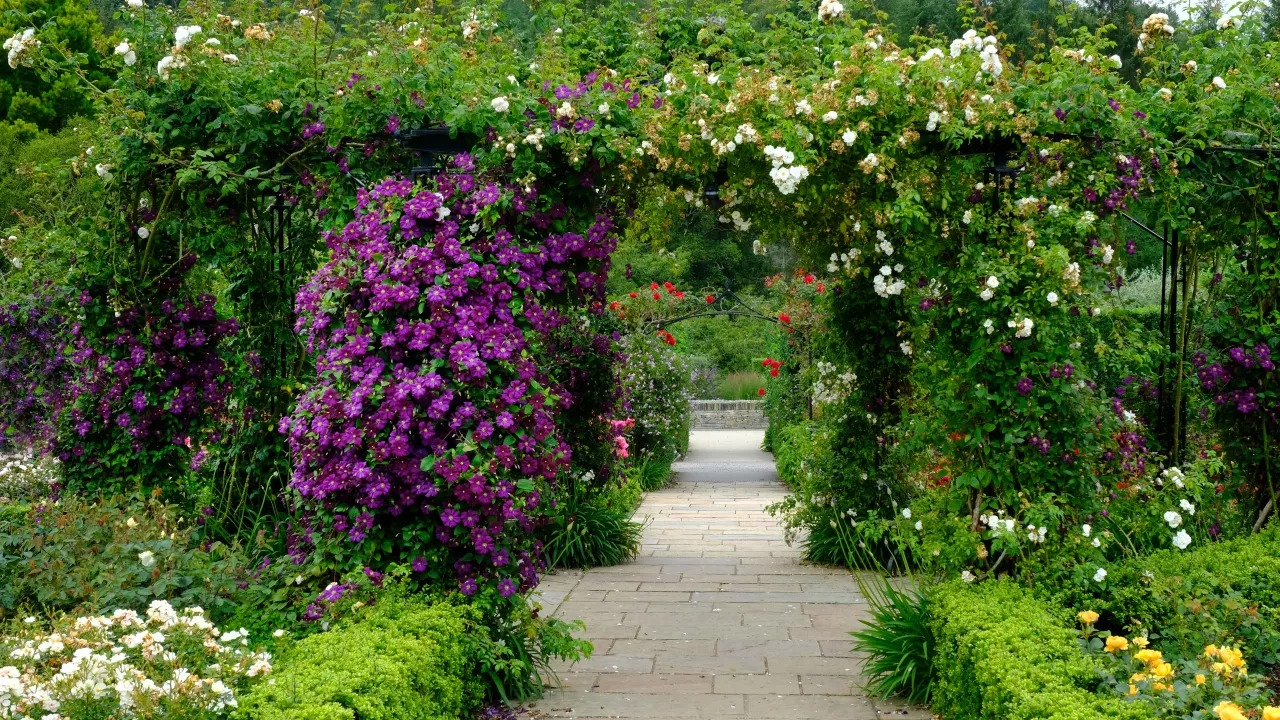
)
(1005, 655)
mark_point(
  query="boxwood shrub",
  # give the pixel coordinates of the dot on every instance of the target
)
(403, 659)
(1002, 654)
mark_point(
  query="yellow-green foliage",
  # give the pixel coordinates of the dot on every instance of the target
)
(1004, 655)
(403, 659)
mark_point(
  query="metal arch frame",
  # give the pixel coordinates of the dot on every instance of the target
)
(720, 308)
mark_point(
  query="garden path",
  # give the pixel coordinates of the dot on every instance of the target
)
(717, 618)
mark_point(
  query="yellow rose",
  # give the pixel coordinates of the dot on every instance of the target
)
(1222, 668)
(1148, 657)
(1227, 710)
(1232, 656)
(1199, 678)
(1137, 677)
(1087, 617)
(1165, 687)
(1163, 670)
(1210, 651)
(1117, 643)
(1271, 713)
(1133, 689)
(1140, 641)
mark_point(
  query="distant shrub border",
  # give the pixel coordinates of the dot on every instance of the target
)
(1002, 654)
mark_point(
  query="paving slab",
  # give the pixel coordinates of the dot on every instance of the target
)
(717, 618)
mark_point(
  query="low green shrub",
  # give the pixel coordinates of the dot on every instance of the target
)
(81, 555)
(402, 659)
(1222, 592)
(793, 448)
(1004, 655)
(95, 555)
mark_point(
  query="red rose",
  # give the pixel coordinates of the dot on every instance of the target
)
(774, 371)
(634, 295)
(808, 279)
(784, 318)
(760, 392)
(653, 286)
(819, 287)
(656, 296)
(711, 299)
(767, 362)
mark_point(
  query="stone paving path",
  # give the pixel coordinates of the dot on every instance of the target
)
(717, 618)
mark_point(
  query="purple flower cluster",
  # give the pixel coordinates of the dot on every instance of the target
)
(1129, 179)
(1238, 378)
(432, 420)
(33, 371)
(155, 375)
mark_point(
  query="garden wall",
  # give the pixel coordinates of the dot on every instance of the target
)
(729, 415)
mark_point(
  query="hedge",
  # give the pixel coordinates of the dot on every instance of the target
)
(403, 659)
(1002, 654)
(1225, 581)
(793, 447)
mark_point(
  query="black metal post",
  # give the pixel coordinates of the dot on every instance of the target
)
(1175, 258)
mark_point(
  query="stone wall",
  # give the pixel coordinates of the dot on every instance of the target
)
(729, 415)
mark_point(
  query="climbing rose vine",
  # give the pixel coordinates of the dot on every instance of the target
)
(430, 437)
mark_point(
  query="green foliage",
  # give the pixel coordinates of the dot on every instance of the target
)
(1004, 655)
(1224, 592)
(593, 529)
(740, 386)
(899, 645)
(51, 100)
(794, 448)
(97, 555)
(404, 658)
(88, 556)
(732, 344)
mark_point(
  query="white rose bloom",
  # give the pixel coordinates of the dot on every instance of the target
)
(830, 116)
(968, 576)
(1115, 60)
(147, 558)
(1086, 529)
(183, 34)
(104, 171)
(919, 525)
(1185, 504)
(230, 59)
(1219, 83)
(1182, 540)
(144, 233)
(848, 136)
(906, 513)
(135, 3)
(501, 104)
(993, 282)
(1166, 93)
(603, 109)
(1052, 297)
(986, 294)
(1100, 575)
(1173, 518)
(130, 57)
